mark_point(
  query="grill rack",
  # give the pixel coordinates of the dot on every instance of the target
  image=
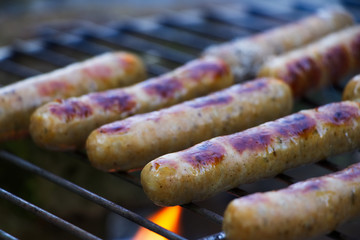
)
(165, 42)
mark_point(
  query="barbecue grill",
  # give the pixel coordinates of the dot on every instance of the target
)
(164, 42)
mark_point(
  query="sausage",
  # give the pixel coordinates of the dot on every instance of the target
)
(246, 55)
(321, 63)
(301, 211)
(133, 142)
(223, 163)
(66, 124)
(352, 89)
(19, 100)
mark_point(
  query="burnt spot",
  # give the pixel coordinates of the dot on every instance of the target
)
(355, 49)
(254, 139)
(199, 69)
(297, 124)
(116, 127)
(165, 87)
(259, 138)
(337, 113)
(302, 74)
(252, 86)
(211, 100)
(70, 109)
(116, 100)
(204, 154)
(337, 62)
(53, 88)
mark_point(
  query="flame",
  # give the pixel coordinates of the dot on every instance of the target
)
(168, 218)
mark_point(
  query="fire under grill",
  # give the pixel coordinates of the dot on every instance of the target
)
(164, 42)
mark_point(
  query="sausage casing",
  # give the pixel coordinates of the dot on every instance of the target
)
(66, 124)
(246, 55)
(133, 142)
(352, 89)
(321, 63)
(19, 100)
(225, 162)
(301, 211)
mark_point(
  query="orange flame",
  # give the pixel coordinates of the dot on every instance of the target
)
(168, 218)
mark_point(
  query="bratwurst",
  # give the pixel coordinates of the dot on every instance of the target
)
(246, 55)
(225, 162)
(66, 124)
(319, 64)
(19, 100)
(133, 142)
(301, 211)
(352, 89)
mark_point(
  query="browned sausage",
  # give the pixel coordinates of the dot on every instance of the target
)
(352, 89)
(19, 100)
(133, 142)
(225, 162)
(301, 211)
(246, 55)
(319, 64)
(66, 124)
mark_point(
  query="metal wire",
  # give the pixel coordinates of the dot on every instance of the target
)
(5, 236)
(88, 195)
(47, 216)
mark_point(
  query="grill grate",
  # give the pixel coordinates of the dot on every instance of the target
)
(164, 42)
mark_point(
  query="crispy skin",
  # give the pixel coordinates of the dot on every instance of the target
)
(225, 162)
(352, 89)
(319, 64)
(19, 100)
(301, 211)
(66, 124)
(246, 55)
(133, 142)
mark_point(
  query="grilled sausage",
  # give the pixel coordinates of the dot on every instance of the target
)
(225, 162)
(319, 64)
(19, 100)
(133, 142)
(246, 55)
(65, 124)
(352, 89)
(301, 211)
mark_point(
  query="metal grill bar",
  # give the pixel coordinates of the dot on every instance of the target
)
(85, 194)
(218, 31)
(53, 37)
(17, 69)
(6, 236)
(133, 43)
(217, 236)
(204, 212)
(47, 216)
(35, 50)
(169, 35)
(245, 22)
(274, 13)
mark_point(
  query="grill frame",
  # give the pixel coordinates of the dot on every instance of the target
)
(189, 29)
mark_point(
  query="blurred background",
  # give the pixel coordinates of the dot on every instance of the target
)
(21, 18)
